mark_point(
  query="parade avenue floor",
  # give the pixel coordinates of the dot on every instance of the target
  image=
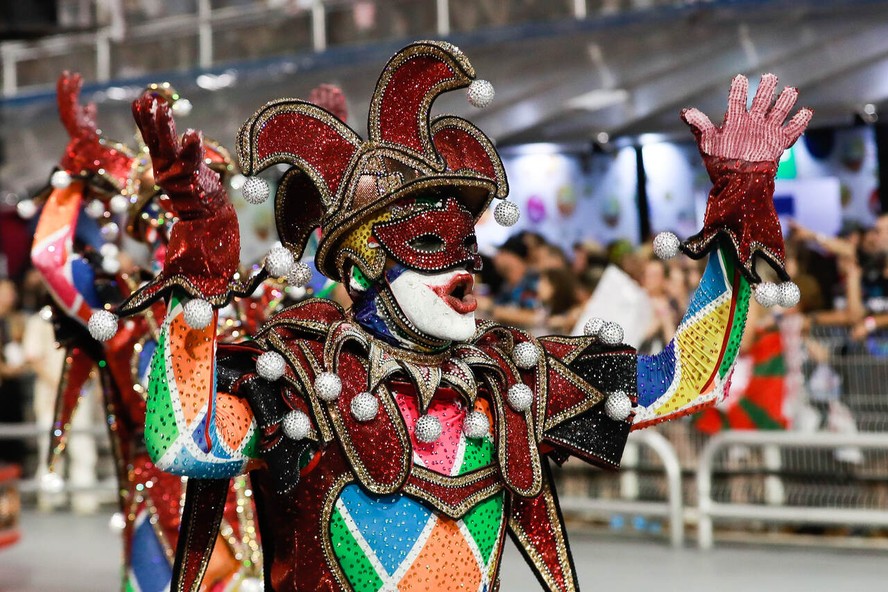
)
(62, 552)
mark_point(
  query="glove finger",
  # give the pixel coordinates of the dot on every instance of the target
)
(737, 98)
(783, 105)
(761, 102)
(796, 126)
(698, 121)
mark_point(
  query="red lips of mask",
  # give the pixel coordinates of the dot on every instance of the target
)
(432, 240)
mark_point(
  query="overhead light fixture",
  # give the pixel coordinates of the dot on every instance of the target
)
(599, 99)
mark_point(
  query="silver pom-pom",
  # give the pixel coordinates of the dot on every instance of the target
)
(789, 295)
(119, 204)
(299, 275)
(767, 294)
(296, 425)
(279, 261)
(255, 190)
(506, 213)
(593, 326)
(270, 365)
(95, 209)
(526, 355)
(520, 397)
(476, 425)
(110, 265)
(666, 245)
(102, 325)
(618, 405)
(110, 231)
(109, 250)
(250, 584)
(198, 313)
(117, 522)
(611, 334)
(60, 179)
(428, 429)
(182, 108)
(26, 209)
(328, 386)
(480, 93)
(52, 483)
(364, 407)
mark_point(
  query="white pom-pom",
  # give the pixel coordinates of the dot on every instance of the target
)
(618, 406)
(182, 108)
(95, 209)
(255, 190)
(506, 213)
(789, 295)
(299, 275)
(480, 93)
(526, 355)
(520, 397)
(117, 522)
(364, 407)
(428, 429)
(476, 425)
(26, 209)
(51, 483)
(119, 204)
(611, 334)
(666, 245)
(198, 313)
(767, 294)
(60, 179)
(296, 425)
(279, 261)
(110, 265)
(328, 386)
(102, 325)
(270, 365)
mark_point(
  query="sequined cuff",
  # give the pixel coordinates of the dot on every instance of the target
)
(740, 216)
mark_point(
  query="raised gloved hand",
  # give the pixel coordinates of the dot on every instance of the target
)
(87, 154)
(754, 135)
(741, 157)
(204, 246)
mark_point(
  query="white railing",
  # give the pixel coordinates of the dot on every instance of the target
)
(708, 509)
(672, 508)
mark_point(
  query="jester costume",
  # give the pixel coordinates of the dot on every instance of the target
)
(394, 445)
(98, 189)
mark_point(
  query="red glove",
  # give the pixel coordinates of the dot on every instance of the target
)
(741, 158)
(204, 246)
(86, 153)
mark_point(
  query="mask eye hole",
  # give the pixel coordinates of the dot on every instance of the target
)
(427, 243)
(471, 244)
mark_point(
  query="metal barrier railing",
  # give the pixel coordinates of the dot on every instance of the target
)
(709, 509)
(672, 508)
(197, 35)
(34, 431)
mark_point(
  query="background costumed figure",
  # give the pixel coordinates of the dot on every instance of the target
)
(394, 445)
(100, 188)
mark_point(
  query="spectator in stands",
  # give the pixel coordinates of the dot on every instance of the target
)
(15, 376)
(559, 295)
(516, 301)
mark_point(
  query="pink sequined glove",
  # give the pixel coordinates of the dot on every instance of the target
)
(741, 157)
(753, 135)
(204, 246)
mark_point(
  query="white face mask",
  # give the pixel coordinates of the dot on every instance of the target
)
(440, 305)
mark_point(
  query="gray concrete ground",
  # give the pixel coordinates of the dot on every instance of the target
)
(62, 552)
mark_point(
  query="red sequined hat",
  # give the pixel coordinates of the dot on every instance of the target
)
(339, 180)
